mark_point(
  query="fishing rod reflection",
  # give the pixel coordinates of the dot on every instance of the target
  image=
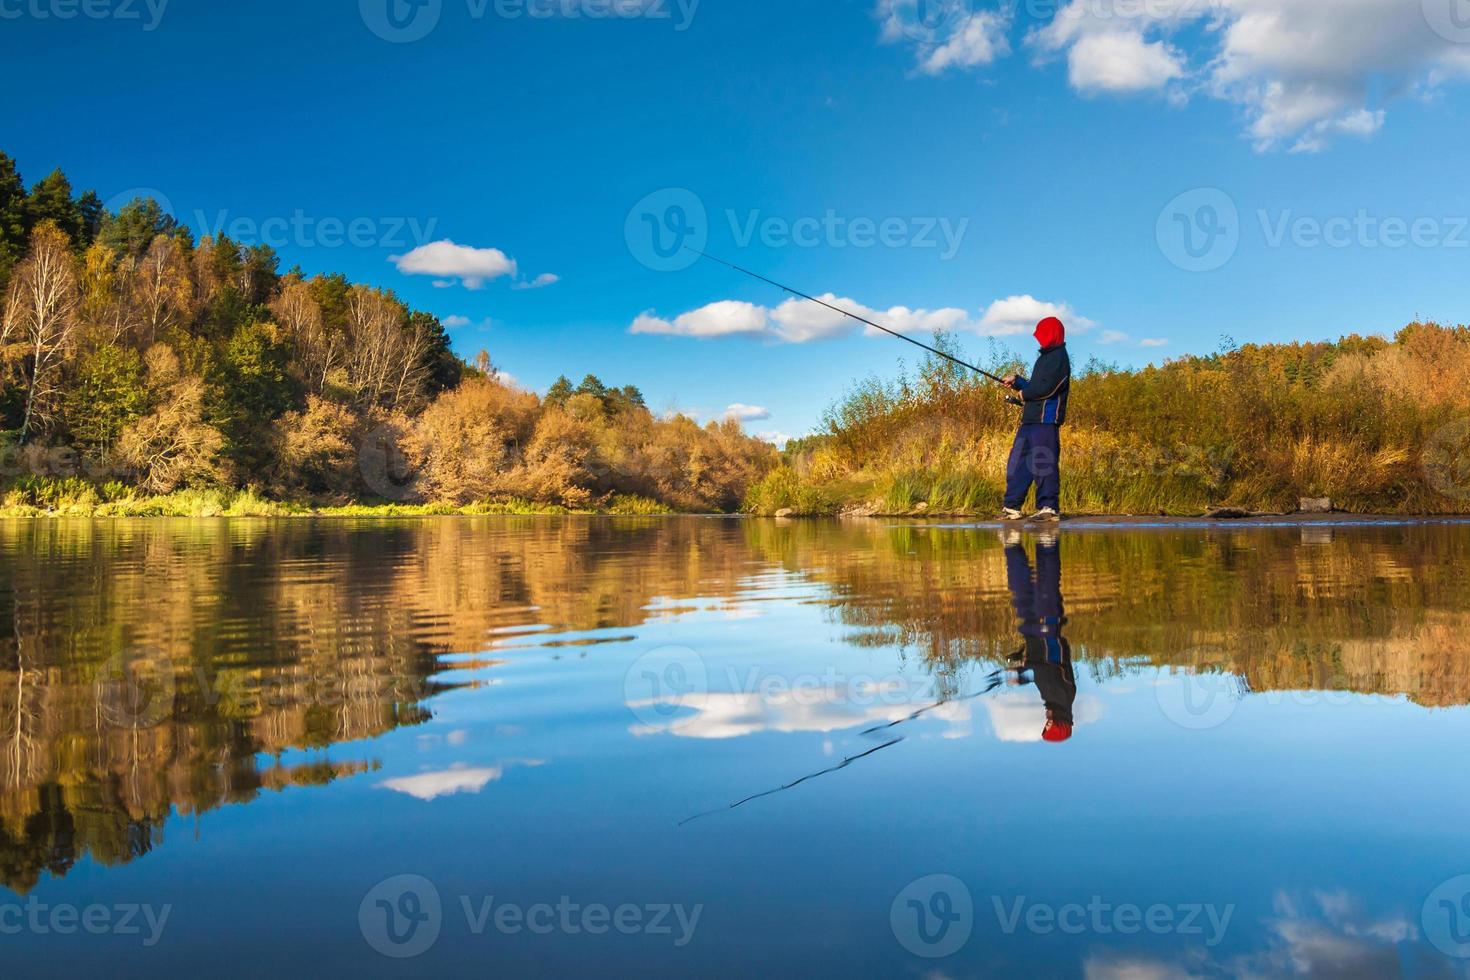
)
(1043, 660)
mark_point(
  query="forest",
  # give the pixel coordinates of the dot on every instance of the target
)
(145, 372)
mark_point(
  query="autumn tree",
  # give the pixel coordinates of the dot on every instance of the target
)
(318, 349)
(39, 328)
(173, 445)
(162, 291)
(316, 449)
(107, 309)
(387, 352)
(467, 442)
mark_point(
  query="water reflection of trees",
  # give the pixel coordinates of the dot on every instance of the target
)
(259, 646)
(245, 641)
(1364, 610)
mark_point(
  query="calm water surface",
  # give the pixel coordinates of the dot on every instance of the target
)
(624, 747)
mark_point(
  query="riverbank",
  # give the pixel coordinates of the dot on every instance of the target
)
(245, 503)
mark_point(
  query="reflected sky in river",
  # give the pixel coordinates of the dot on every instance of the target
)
(858, 748)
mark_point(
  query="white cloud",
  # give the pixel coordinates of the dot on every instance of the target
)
(1121, 61)
(1303, 72)
(1020, 716)
(723, 319)
(799, 708)
(1020, 315)
(798, 321)
(777, 439)
(1154, 342)
(450, 262)
(747, 413)
(457, 322)
(540, 282)
(976, 42)
(1112, 337)
(946, 33)
(456, 779)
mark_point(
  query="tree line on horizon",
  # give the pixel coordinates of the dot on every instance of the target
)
(137, 360)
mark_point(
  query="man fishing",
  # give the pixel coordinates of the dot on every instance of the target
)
(1037, 452)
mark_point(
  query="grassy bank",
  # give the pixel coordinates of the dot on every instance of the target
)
(1377, 425)
(41, 497)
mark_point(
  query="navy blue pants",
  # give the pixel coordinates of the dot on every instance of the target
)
(1036, 458)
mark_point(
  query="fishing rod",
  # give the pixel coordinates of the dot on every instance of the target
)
(837, 309)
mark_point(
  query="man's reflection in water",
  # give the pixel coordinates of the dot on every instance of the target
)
(1045, 659)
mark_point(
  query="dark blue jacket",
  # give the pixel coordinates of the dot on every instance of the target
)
(1046, 393)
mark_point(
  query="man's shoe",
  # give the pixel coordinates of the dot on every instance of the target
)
(1008, 514)
(1047, 515)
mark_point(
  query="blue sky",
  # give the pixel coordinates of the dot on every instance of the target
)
(1016, 159)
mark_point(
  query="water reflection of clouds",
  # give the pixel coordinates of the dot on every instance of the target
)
(1325, 935)
(797, 709)
(454, 780)
(1019, 717)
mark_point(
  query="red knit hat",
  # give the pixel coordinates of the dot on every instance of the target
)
(1055, 731)
(1050, 333)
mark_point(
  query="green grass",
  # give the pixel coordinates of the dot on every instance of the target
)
(33, 497)
(783, 489)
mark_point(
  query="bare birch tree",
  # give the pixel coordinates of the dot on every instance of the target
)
(163, 293)
(41, 320)
(319, 348)
(385, 359)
